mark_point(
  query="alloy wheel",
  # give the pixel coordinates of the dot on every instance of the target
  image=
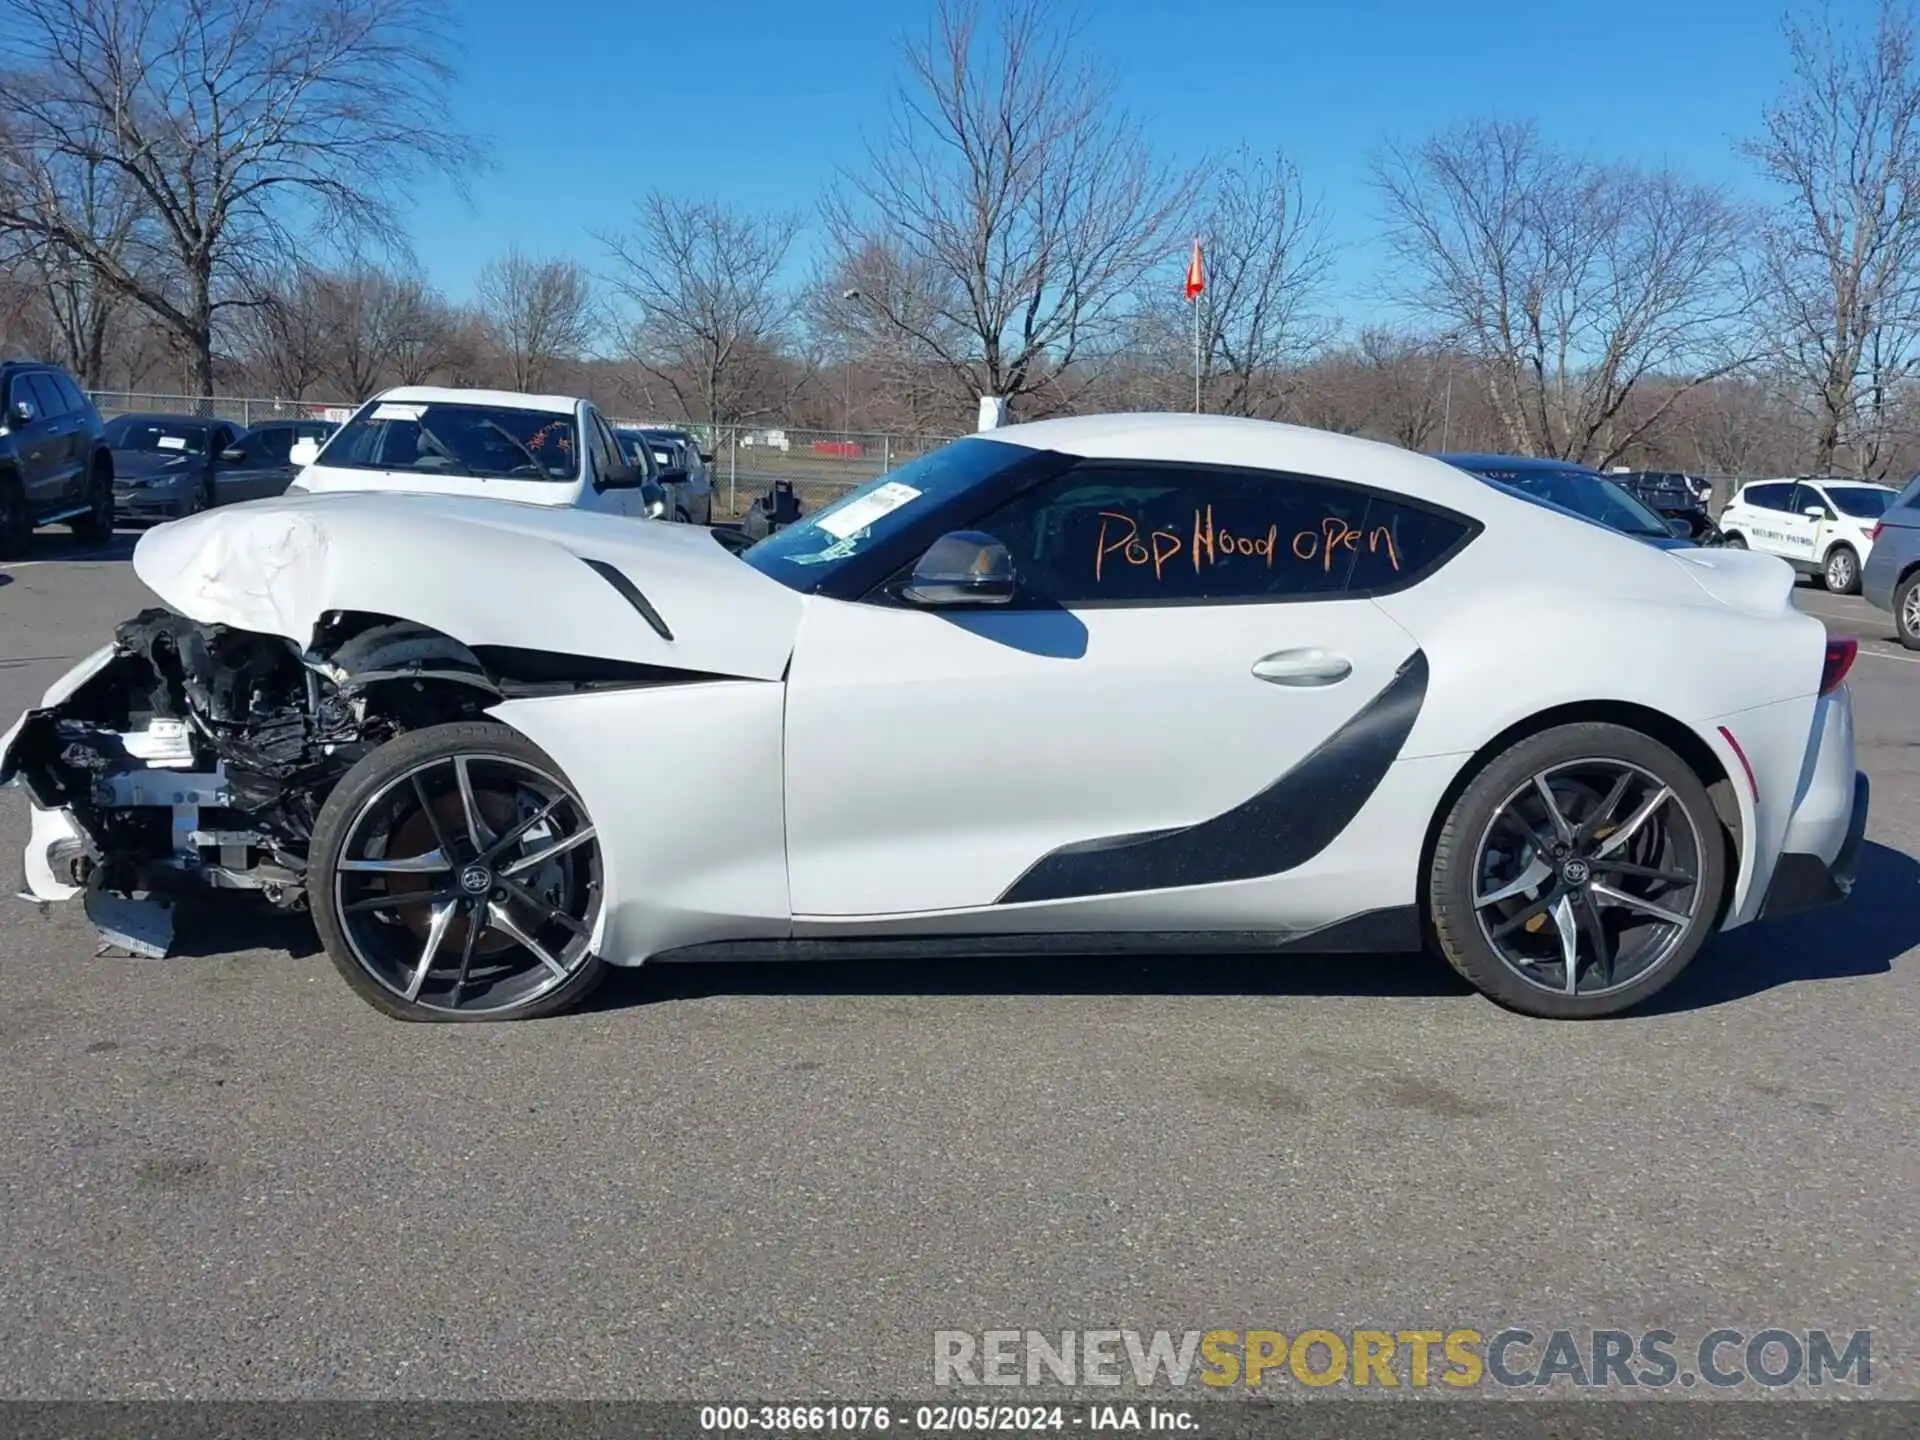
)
(1587, 878)
(1840, 570)
(1910, 611)
(470, 884)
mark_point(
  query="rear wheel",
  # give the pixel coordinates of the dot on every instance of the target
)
(1578, 873)
(1842, 573)
(1906, 611)
(16, 522)
(456, 875)
(96, 526)
(1733, 541)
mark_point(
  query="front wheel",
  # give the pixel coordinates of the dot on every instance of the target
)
(1842, 574)
(456, 875)
(1906, 611)
(1578, 873)
(96, 526)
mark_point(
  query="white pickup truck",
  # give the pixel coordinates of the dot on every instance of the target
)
(553, 450)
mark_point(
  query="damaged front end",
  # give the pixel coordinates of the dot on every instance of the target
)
(194, 755)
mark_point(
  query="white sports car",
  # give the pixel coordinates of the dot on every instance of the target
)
(1090, 686)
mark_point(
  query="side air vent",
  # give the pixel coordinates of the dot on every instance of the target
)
(630, 593)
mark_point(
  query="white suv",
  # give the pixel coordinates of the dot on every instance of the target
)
(1820, 527)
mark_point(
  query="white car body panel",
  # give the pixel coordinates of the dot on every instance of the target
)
(882, 770)
(1049, 727)
(481, 571)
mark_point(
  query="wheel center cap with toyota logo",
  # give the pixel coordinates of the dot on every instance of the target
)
(1576, 871)
(476, 879)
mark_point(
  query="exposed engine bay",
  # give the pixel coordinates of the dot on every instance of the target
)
(200, 755)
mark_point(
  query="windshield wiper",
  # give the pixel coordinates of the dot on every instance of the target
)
(454, 462)
(508, 436)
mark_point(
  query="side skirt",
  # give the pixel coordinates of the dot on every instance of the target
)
(1395, 930)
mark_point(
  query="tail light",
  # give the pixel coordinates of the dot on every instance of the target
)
(1840, 657)
(1873, 531)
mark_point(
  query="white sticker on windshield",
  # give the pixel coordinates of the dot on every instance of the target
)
(171, 442)
(398, 412)
(861, 513)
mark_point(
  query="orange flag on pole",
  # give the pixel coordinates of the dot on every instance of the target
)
(1196, 273)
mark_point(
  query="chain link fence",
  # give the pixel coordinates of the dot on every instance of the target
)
(221, 407)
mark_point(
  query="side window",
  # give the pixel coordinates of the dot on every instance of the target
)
(1805, 498)
(270, 447)
(47, 398)
(69, 392)
(19, 390)
(1909, 498)
(1137, 535)
(1768, 497)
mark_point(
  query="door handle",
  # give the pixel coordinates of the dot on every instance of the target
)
(1310, 666)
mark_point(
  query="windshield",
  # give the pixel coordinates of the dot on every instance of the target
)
(804, 553)
(179, 437)
(488, 442)
(1592, 496)
(1864, 502)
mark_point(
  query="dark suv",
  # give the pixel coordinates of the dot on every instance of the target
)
(54, 462)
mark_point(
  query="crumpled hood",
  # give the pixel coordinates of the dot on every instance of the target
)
(485, 572)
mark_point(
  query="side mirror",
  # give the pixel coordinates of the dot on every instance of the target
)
(966, 567)
(653, 499)
(233, 455)
(1815, 512)
(706, 457)
(1680, 527)
(620, 477)
(304, 452)
(21, 413)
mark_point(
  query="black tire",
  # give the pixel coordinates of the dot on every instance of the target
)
(680, 516)
(1841, 573)
(16, 521)
(361, 786)
(1906, 611)
(1733, 540)
(96, 526)
(1461, 937)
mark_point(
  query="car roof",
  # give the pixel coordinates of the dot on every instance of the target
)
(174, 419)
(1472, 461)
(1227, 440)
(291, 421)
(503, 399)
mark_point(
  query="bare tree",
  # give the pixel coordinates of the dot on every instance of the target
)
(286, 340)
(1011, 179)
(1267, 262)
(713, 312)
(1843, 253)
(537, 312)
(1573, 282)
(377, 317)
(241, 123)
(852, 308)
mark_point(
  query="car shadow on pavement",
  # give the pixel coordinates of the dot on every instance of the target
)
(1389, 976)
(1864, 935)
(223, 922)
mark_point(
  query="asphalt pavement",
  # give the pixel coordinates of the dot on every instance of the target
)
(224, 1176)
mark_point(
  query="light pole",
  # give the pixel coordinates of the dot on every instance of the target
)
(1450, 340)
(852, 297)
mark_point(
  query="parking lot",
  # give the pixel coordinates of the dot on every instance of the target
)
(226, 1176)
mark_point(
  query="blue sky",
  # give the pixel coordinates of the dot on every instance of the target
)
(586, 105)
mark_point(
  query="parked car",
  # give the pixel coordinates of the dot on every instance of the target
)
(1578, 491)
(1824, 527)
(1673, 496)
(1890, 578)
(551, 450)
(168, 466)
(261, 463)
(1101, 686)
(685, 472)
(54, 464)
